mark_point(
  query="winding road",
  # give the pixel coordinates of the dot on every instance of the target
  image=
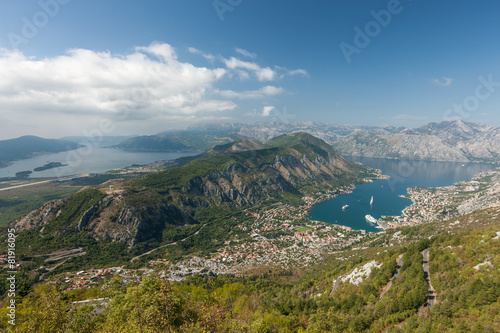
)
(431, 295)
(159, 247)
(335, 285)
(396, 274)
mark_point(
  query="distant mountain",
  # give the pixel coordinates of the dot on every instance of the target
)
(446, 141)
(203, 191)
(104, 141)
(265, 131)
(177, 141)
(27, 146)
(205, 136)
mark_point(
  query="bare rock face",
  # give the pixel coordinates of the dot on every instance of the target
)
(40, 217)
(486, 199)
(455, 141)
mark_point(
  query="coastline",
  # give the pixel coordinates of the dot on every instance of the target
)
(444, 202)
(346, 190)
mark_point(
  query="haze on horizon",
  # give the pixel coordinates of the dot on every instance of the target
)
(69, 67)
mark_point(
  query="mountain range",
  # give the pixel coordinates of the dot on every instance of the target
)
(161, 206)
(457, 141)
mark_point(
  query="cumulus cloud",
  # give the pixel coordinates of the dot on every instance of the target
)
(75, 90)
(246, 53)
(150, 79)
(252, 94)
(443, 82)
(266, 110)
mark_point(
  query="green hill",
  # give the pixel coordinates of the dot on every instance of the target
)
(26, 146)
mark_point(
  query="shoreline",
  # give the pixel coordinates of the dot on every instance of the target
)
(433, 200)
(349, 190)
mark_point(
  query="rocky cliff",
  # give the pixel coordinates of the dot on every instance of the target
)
(447, 141)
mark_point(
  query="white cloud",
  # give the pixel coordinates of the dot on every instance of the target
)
(443, 82)
(88, 81)
(298, 72)
(204, 55)
(266, 111)
(246, 53)
(262, 74)
(148, 87)
(252, 94)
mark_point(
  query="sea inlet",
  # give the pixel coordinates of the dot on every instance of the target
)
(386, 192)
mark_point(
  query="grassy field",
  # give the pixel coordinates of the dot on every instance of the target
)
(302, 229)
(17, 202)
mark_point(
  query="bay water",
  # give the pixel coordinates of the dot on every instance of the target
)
(85, 160)
(386, 192)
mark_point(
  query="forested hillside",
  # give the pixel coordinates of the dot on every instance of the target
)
(360, 289)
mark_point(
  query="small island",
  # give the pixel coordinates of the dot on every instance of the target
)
(50, 165)
(23, 174)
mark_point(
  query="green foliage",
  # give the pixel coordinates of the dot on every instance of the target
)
(71, 212)
(18, 202)
(288, 301)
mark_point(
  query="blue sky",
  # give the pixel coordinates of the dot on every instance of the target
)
(131, 67)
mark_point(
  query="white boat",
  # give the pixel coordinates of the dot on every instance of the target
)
(345, 207)
(370, 219)
(371, 201)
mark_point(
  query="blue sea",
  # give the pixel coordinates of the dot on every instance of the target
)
(386, 193)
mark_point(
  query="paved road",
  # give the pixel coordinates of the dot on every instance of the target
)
(42, 277)
(24, 185)
(335, 285)
(45, 181)
(156, 248)
(431, 295)
(396, 274)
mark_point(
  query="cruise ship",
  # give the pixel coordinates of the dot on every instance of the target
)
(370, 219)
